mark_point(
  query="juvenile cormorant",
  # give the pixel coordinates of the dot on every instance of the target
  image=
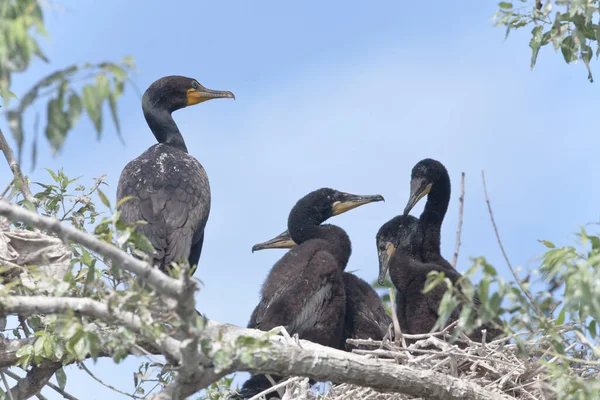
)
(365, 315)
(304, 291)
(399, 243)
(168, 187)
(430, 177)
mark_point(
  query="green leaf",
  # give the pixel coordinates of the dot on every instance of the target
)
(505, 5)
(92, 101)
(561, 317)
(61, 378)
(128, 61)
(547, 243)
(112, 102)
(592, 328)
(535, 43)
(75, 108)
(103, 198)
(568, 48)
(102, 85)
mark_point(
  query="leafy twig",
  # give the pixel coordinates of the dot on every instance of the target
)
(162, 283)
(90, 373)
(20, 180)
(461, 202)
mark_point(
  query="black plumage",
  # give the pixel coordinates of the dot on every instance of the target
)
(168, 187)
(365, 315)
(399, 247)
(304, 291)
(430, 177)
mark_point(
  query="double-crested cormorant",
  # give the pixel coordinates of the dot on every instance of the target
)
(304, 291)
(399, 243)
(168, 187)
(430, 177)
(365, 315)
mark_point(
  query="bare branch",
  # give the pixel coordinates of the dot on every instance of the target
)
(30, 305)
(398, 334)
(162, 283)
(20, 180)
(100, 381)
(461, 204)
(51, 385)
(512, 271)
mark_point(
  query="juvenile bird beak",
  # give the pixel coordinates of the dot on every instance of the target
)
(281, 241)
(350, 201)
(195, 96)
(384, 261)
(418, 189)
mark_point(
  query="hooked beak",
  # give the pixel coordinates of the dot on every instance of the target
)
(418, 189)
(281, 241)
(351, 201)
(384, 260)
(195, 96)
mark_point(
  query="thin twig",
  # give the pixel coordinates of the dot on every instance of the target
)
(51, 385)
(10, 396)
(461, 204)
(397, 330)
(20, 180)
(276, 387)
(512, 271)
(100, 381)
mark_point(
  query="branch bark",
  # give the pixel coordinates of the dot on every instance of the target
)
(163, 284)
(323, 363)
(37, 377)
(30, 305)
(16, 170)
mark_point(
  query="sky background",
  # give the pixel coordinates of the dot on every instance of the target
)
(342, 94)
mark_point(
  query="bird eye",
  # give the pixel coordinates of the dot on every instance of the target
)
(195, 85)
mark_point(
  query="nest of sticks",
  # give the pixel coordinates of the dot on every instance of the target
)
(498, 366)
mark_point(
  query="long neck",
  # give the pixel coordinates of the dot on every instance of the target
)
(432, 217)
(163, 126)
(336, 239)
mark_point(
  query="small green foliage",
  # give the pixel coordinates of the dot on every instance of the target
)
(220, 390)
(570, 25)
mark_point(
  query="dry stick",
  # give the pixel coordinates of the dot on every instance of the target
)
(100, 381)
(16, 170)
(397, 330)
(49, 384)
(461, 204)
(512, 271)
(275, 387)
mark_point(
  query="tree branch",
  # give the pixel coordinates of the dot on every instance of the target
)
(323, 363)
(49, 384)
(30, 305)
(20, 180)
(37, 377)
(163, 284)
(461, 202)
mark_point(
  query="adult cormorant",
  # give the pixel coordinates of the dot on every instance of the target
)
(399, 243)
(168, 187)
(430, 177)
(365, 315)
(304, 291)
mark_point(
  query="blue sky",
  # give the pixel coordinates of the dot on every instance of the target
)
(338, 94)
